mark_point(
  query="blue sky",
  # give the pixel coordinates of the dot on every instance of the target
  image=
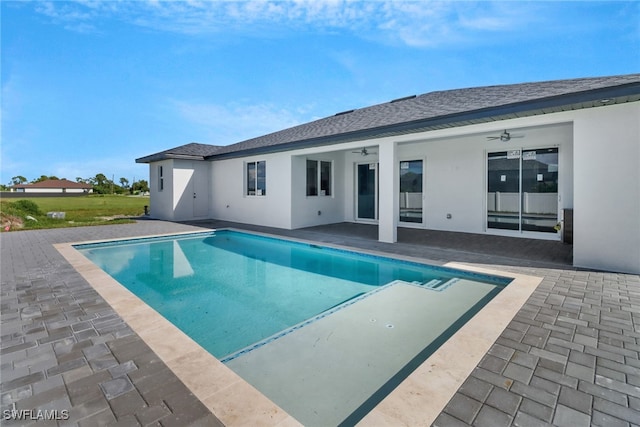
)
(89, 86)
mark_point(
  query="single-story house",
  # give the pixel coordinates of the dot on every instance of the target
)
(54, 186)
(545, 160)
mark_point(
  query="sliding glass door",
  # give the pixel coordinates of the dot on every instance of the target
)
(522, 190)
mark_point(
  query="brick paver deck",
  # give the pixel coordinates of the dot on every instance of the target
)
(569, 357)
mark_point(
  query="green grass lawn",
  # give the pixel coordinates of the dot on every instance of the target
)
(79, 211)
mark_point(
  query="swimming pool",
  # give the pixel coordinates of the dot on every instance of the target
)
(272, 308)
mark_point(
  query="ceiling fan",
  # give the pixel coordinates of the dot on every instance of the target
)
(505, 136)
(364, 152)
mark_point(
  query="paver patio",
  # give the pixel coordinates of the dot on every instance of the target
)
(569, 357)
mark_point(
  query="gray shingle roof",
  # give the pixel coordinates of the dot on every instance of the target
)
(191, 151)
(440, 109)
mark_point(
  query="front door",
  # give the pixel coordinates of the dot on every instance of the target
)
(367, 191)
(522, 190)
(200, 190)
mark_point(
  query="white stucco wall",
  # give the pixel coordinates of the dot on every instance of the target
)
(55, 190)
(43, 190)
(182, 179)
(599, 177)
(456, 170)
(228, 189)
(607, 188)
(308, 211)
(161, 201)
(454, 182)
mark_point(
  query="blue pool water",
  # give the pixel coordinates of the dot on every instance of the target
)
(228, 290)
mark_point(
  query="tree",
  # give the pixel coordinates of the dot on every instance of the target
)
(44, 178)
(18, 180)
(100, 179)
(101, 184)
(141, 186)
(124, 182)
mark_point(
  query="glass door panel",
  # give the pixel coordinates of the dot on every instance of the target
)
(522, 190)
(411, 191)
(503, 190)
(367, 191)
(540, 190)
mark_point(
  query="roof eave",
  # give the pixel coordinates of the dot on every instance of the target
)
(579, 100)
(167, 156)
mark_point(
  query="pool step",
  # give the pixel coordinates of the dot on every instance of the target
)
(436, 284)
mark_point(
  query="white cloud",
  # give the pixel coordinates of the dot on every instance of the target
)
(414, 23)
(73, 17)
(228, 124)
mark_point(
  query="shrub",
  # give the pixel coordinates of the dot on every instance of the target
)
(28, 207)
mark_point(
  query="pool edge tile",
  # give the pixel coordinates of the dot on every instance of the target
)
(156, 332)
(406, 405)
(440, 376)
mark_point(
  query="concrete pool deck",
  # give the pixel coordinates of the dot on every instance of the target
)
(568, 356)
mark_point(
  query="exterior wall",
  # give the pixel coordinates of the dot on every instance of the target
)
(55, 190)
(161, 202)
(43, 190)
(228, 189)
(186, 190)
(456, 170)
(191, 194)
(308, 211)
(607, 188)
(599, 177)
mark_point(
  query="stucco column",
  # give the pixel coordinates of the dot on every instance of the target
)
(388, 193)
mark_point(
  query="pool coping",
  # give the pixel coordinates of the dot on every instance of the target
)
(418, 400)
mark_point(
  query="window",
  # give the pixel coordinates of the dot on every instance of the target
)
(160, 179)
(256, 178)
(318, 172)
(411, 175)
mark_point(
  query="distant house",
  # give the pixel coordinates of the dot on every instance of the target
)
(545, 160)
(54, 186)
